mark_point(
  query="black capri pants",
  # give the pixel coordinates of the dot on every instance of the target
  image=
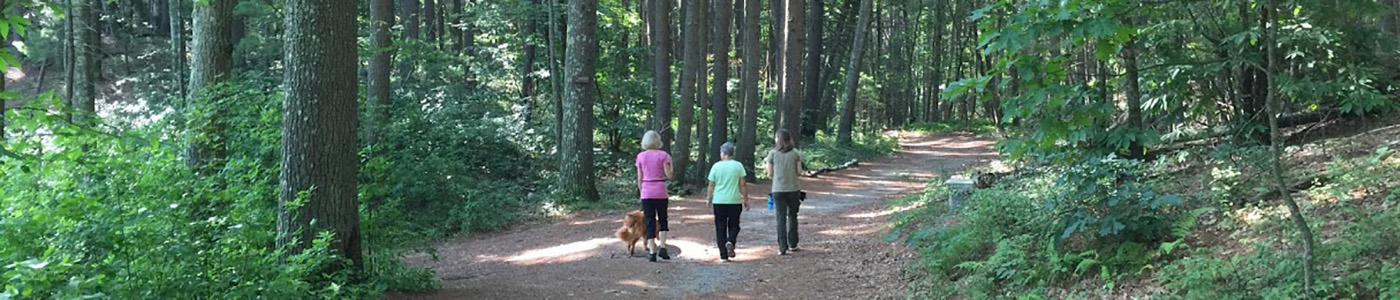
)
(654, 212)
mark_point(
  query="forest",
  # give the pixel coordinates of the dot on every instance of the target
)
(315, 149)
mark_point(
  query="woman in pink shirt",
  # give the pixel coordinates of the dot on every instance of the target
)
(653, 169)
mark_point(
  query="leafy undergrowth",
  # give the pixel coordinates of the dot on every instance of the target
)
(826, 152)
(1224, 238)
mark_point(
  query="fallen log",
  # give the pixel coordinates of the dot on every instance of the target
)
(844, 166)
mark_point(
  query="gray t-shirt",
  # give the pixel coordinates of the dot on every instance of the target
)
(785, 170)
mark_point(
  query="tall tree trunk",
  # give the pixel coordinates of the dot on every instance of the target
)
(212, 63)
(556, 82)
(748, 85)
(86, 46)
(580, 60)
(458, 25)
(834, 58)
(936, 77)
(409, 15)
(1130, 61)
(177, 46)
(318, 129)
(661, 69)
(793, 44)
(775, 56)
(848, 113)
(702, 100)
(69, 55)
(1271, 108)
(430, 20)
(381, 15)
(527, 63)
(720, 104)
(691, 66)
(811, 107)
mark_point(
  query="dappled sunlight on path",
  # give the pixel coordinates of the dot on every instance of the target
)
(842, 223)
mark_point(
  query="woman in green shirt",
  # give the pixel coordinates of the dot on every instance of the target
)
(728, 198)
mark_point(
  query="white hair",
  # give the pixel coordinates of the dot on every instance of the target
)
(651, 140)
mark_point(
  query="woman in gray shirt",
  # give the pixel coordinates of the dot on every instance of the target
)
(784, 167)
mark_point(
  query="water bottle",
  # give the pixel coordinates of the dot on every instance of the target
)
(770, 201)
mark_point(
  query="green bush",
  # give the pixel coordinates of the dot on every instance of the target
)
(1110, 198)
(92, 212)
(1007, 240)
(110, 210)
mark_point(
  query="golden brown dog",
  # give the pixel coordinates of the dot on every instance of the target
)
(633, 229)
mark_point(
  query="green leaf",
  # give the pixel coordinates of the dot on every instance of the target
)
(1085, 265)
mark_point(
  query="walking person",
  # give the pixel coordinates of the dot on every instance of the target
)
(728, 198)
(784, 166)
(653, 169)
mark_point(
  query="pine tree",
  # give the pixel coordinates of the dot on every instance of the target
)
(576, 176)
(318, 129)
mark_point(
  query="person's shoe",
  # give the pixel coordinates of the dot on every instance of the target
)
(663, 254)
(795, 249)
(782, 253)
(651, 257)
(730, 248)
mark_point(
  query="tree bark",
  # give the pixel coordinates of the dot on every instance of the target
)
(177, 46)
(1130, 61)
(720, 103)
(661, 69)
(692, 65)
(410, 19)
(748, 85)
(848, 113)
(1271, 106)
(212, 63)
(318, 129)
(793, 43)
(430, 20)
(70, 56)
(580, 61)
(556, 83)
(412, 30)
(702, 100)
(86, 46)
(934, 114)
(811, 107)
(527, 64)
(775, 59)
(458, 25)
(381, 15)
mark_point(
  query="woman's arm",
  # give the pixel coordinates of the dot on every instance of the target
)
(710, 193)
(800, 171)
(744, 192)
(639, 177)
(668, 170)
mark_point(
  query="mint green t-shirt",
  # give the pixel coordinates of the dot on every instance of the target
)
(726, 175)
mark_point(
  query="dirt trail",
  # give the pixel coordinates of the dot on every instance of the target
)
(842, 227)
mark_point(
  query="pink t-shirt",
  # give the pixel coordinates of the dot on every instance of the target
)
(652, 164)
